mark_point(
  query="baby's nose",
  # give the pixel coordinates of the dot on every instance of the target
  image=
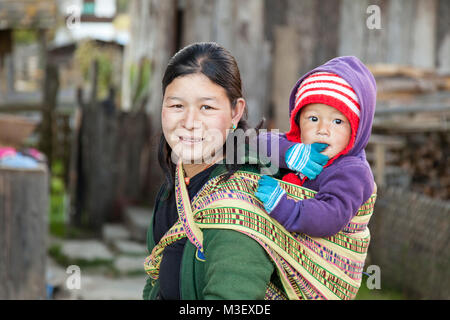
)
(323, 130)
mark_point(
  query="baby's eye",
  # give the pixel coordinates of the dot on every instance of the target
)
(313, 118)
(338, 121)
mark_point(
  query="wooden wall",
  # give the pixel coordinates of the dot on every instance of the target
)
(303, 34)
(24, 206)
(239, 27)
(275, 42)
(407, 35)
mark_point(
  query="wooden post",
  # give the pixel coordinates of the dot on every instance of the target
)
(23, 232)
(285, 73)
(443, 37)
(380, 163)
(96, 177)
(49, 103)
(381, 145)
(161, 32)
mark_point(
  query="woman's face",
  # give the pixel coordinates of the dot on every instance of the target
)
(196, 114)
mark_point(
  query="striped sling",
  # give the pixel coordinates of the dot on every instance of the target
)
(308, 267)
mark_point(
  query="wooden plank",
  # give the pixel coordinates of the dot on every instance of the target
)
(353, 22)
(326, 30)
(389, 141)
(412, 109)
(284, 73)
(400, 16)
(424, 34)
(198, 21)
(443, 37)
(436, 125)
(162, 34)
(393, 70)
(380, 164)
(405, 85)
(23, 232)
(302, 15)
(239, 28)
(443, 56)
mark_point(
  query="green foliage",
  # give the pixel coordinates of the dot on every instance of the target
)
(87, 52)
(139, 80)
(24, 36)
(56, 253)
(122, 6)
(57, 201)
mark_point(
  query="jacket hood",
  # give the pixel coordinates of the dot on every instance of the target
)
(363, 83)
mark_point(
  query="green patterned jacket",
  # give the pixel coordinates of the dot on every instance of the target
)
(236, 266)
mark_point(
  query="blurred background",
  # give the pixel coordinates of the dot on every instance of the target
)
(80, 99)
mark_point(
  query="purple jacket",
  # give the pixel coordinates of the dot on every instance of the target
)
(347, 183)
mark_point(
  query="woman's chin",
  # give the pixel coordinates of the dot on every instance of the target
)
(188, 158)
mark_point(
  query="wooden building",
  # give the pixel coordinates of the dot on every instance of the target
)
(275, 42)
(39, 15)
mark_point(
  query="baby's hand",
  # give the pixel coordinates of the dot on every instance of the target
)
(269, 192)
(307, 158)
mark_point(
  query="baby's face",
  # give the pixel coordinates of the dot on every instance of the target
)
(321, 123)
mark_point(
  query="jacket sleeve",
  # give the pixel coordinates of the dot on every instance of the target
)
(341, 194)
(148, 287)
(236, 266)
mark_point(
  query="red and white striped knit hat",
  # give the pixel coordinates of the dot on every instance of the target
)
(332, 90)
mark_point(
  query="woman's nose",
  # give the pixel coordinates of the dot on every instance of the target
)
(191, 120)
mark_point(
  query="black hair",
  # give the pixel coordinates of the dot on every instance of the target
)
(216, 63)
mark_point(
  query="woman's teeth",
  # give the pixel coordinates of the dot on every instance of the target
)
(191, 139)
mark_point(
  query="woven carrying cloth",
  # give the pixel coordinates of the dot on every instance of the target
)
(309, 268)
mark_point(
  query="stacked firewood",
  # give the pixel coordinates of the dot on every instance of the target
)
(396, 82)
(414, 104)
(426, 157)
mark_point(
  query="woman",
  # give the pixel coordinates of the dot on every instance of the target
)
(202, 101)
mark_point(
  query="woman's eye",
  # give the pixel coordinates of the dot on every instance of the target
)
(313, 118)
(205, 107)
(176, 106)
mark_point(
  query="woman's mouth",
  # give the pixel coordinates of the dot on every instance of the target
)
(191, 140)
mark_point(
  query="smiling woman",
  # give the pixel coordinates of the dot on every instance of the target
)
(202, 104)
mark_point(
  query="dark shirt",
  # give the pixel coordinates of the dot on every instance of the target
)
(165, 217)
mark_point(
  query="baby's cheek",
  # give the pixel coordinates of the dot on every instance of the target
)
(329, 152)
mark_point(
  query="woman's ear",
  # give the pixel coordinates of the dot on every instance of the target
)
(238, 110)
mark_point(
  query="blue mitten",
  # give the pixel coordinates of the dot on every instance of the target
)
(307, 158)
(269, 192)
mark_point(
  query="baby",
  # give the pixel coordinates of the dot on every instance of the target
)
(331, 114)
